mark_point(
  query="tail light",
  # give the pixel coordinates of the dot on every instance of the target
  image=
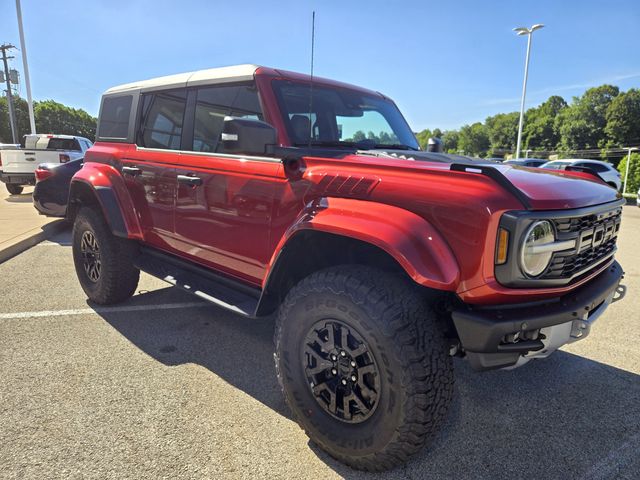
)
(64, 158)
(42, 172)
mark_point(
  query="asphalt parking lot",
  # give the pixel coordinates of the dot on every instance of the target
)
(165, 386)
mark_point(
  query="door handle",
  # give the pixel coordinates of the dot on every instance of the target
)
(190, 180)
(131, 171)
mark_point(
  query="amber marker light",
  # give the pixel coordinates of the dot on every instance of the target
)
(503, 244)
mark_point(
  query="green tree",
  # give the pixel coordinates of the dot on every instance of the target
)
(623, 119)
(54, 117)
(357, 137)
(582, 124)
(423, 137)
(634, 172)
(474, 139)
(539, 132)
(450, 140)
(50, 116)
(502, 130)
(22, 119)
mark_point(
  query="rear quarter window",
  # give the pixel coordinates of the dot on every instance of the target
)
(114, 117)
(63, 144)
(598, 167)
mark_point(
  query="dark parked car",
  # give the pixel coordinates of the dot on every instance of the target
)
(527, 162)
(52, 187)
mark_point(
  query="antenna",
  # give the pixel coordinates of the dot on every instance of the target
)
(313, 41)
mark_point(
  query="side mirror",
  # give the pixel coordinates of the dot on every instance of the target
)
(247, 136)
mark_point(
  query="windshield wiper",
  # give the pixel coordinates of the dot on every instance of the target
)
(362, 145)
(393, 146)
(326, 143)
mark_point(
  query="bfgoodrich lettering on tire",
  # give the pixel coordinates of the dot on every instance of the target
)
(104, 262)
(362, 365)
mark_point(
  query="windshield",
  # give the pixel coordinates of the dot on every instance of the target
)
(336, 117)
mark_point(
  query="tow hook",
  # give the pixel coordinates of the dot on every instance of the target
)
(619, 294)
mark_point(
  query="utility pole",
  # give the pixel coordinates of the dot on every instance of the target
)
(25, 65)
(12, 116)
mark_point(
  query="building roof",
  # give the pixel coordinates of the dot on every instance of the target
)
(236, 73)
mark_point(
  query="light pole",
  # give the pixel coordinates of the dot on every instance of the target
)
(23, 47)
(626, 172)
(529, 33)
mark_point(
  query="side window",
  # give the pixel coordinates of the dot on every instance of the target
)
(553, 166)
(597, 167)
(114, 117)
(161, 120)
(215, 103)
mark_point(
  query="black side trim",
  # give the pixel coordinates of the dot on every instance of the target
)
(497, 177)
(111, 209)
(202, 282)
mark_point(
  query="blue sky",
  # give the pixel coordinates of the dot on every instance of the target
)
(445, 63)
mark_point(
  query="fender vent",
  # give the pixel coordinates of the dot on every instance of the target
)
(348, 185)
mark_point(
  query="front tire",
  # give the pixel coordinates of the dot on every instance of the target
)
(14, 189)
(363, 365)
(104, 263)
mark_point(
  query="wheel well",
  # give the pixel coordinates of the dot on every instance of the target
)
(309, 251)
(80, 195)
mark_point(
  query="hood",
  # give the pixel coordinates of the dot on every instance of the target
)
(556, 190)
(544, 189)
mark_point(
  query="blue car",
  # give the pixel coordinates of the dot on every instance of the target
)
(52, 187)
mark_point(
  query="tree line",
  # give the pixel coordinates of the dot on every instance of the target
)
(603, 119)
(50, 116)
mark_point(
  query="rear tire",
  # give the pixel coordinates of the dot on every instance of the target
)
(14, 189)
(401, 384)
(104, 263)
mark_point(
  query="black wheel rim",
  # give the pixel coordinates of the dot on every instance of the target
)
(341, 371)
(90, 251)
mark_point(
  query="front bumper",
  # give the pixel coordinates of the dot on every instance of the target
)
(510, 335)
(18, 178)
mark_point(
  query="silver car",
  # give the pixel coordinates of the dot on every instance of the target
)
(607, 171)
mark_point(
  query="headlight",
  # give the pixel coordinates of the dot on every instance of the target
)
(535, 257)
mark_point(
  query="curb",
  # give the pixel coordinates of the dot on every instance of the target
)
(46, 232)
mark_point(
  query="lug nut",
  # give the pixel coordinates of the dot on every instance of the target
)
(333, 357)
(334, 371)
(344, 382)
(353, 378)
(343, 353)
(353, 363)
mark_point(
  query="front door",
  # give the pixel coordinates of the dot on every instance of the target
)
(224, 202)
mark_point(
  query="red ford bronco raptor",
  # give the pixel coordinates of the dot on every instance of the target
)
(265, 191)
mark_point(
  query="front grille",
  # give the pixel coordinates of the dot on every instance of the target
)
(595, 235)
(586, 222)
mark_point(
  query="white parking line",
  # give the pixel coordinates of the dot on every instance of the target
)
(99, 310)
(48, 243)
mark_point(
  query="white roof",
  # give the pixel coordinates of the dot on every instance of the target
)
(236, 73)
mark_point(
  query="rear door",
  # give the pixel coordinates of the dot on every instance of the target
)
(224, 202)
(149, 169)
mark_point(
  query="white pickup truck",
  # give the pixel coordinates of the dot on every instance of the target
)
(17, 165)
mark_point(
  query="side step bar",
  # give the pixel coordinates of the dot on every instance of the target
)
(222, 291)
